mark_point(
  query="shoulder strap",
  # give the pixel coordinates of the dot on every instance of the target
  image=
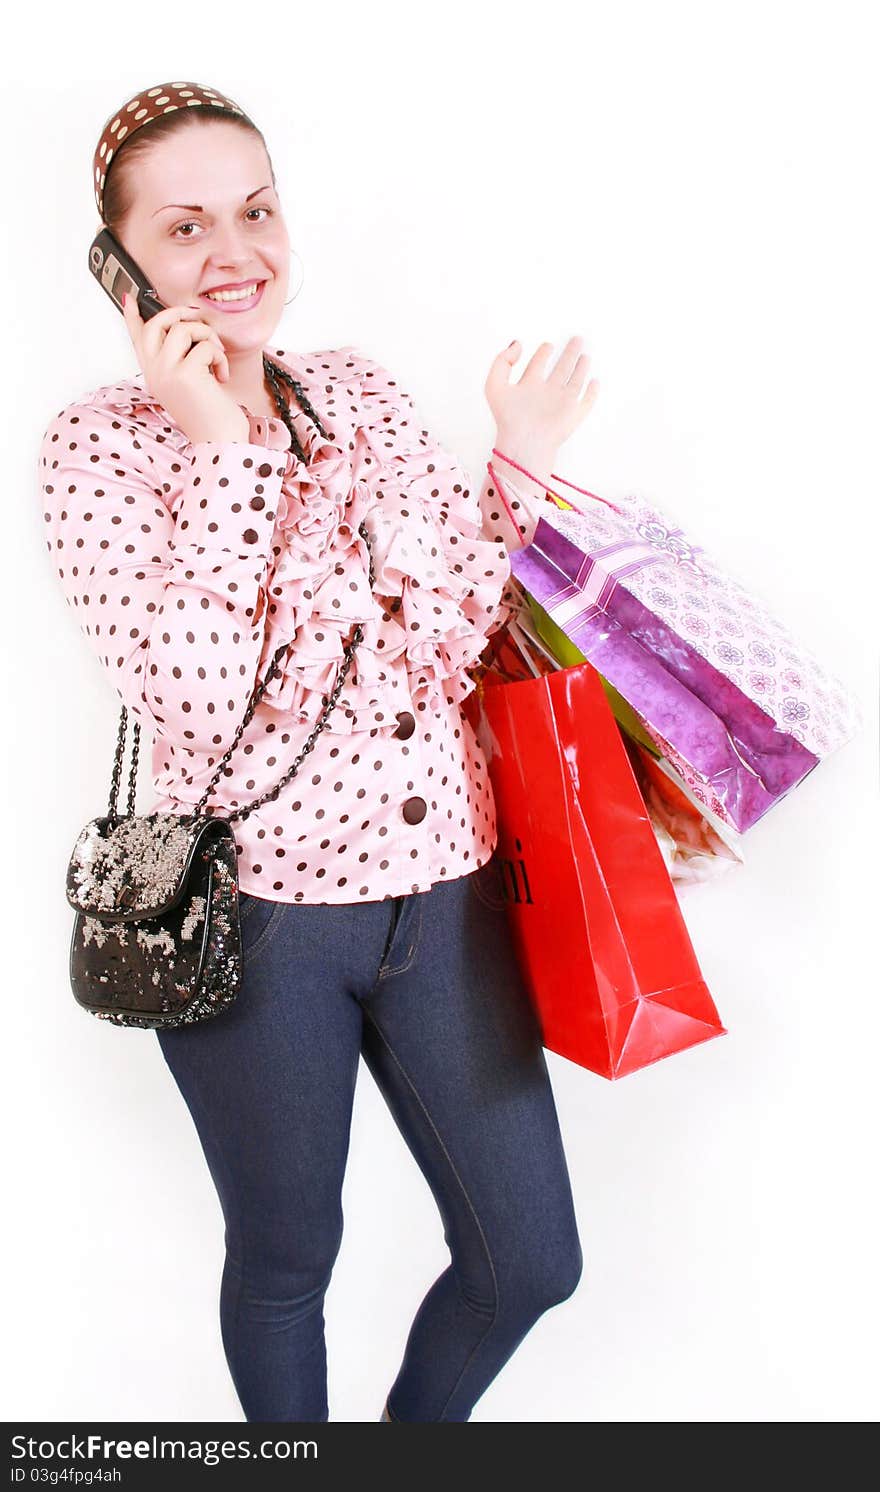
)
(259, 690)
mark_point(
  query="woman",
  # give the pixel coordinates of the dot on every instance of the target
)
(199, 516)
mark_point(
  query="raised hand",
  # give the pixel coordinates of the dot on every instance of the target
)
(536, 415)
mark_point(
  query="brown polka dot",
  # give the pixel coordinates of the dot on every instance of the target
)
(194, 623)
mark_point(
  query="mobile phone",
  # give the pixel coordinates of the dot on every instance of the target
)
(118, 274)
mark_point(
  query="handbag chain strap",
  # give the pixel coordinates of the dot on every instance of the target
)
(244, 809)
(330, 700)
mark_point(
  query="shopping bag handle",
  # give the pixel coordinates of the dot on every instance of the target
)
(565, 501)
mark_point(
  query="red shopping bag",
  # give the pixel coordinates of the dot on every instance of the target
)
(597, 925)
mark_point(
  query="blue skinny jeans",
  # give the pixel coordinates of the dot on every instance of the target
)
(426, 987)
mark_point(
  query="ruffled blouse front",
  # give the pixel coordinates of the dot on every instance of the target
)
(439, 584)
(191, 566)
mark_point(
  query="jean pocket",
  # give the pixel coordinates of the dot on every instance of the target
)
(258, 918)
(487, 885)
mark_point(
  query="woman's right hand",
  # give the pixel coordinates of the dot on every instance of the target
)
(178, 352)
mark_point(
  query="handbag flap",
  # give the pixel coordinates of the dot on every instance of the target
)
(137, 867)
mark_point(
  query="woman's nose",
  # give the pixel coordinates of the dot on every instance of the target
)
(230, 248)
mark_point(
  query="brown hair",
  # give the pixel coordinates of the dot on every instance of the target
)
(119, 185)
(118, 198)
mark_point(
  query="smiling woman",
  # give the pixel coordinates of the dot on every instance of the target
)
(203, 543)
(228, 253)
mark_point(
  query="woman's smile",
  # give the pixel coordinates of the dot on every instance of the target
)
(236, 301)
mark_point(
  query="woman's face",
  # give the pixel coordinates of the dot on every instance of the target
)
(229, 229)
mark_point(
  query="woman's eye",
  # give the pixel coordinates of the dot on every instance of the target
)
(191, 224)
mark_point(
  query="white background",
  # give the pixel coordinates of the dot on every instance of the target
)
(689, 187)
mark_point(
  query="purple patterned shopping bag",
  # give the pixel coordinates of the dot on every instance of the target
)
(733, 702)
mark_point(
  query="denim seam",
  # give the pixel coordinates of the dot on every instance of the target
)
(264, 936)
(476, 886)
(416, 934)
(465, 1194)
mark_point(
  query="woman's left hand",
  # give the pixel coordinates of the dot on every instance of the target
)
(540, 412)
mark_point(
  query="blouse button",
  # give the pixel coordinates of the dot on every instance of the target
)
(407, 725)
(264, 470)
(414, 810)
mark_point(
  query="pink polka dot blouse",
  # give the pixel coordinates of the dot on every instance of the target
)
(188, 564)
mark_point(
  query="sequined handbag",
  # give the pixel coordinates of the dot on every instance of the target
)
(156, 938)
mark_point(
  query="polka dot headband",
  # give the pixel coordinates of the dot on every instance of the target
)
(140, 110)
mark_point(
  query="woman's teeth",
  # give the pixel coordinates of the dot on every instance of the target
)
(244, 294)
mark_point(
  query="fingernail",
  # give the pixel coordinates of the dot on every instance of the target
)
(123, 298)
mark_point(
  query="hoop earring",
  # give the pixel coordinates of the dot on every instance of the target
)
(302, 278)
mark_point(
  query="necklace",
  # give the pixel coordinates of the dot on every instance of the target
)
(275, 375)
